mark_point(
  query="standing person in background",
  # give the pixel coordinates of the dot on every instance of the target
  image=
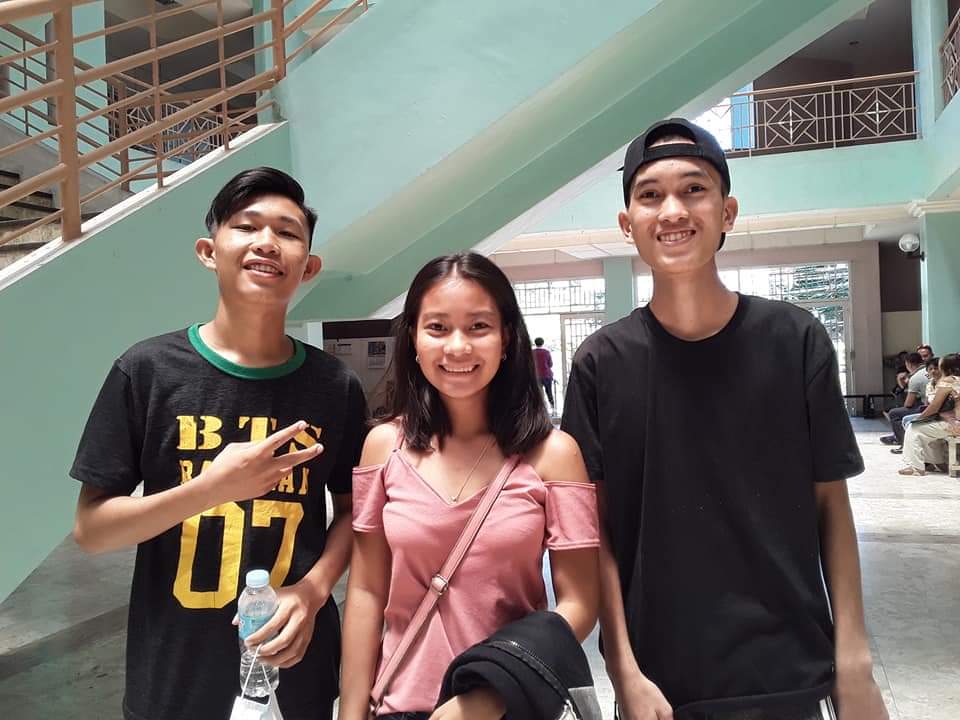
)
(544, 364)
(926, 352)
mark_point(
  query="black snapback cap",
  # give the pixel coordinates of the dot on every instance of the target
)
(704, 146)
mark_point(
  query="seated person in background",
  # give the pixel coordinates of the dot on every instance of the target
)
(913, 403)
(932, 366)
(899, 389)
(937, 422)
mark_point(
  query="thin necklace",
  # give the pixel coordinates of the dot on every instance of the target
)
(455, 498)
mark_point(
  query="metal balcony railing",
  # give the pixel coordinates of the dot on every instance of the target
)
(857, 111)
(125, 128)
(950, 59)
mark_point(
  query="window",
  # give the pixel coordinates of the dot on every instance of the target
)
(796, 284)
(550, 297)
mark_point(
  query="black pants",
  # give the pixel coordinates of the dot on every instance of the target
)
(804, 711)
(548, 388)
(896, 419)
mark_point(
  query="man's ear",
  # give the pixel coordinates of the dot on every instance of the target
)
(205, 253)
(731, 208)
(623, 220)
(314, 263)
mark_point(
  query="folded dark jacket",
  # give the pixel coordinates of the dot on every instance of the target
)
(536, 665)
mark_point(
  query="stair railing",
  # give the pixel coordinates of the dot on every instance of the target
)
(123, 120)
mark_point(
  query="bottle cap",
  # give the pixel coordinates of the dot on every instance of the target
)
(258, 578)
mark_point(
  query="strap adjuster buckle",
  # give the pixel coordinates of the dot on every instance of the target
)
(439, 584)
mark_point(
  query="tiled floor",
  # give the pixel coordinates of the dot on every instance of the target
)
(62, 631)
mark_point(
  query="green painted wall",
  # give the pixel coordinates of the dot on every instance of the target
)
(940, 281)
(65, 323)
(863, 176)
(943, 157)
(521, 100)
(620, 287)
(929, 23)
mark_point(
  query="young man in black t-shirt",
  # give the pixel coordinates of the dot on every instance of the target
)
(721, 501)
(235, 430)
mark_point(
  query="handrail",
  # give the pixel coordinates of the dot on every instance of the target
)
(40, 79)
(305, 17)
(146, 20)
(24, 54)
(827, 84)
(150, 128)
(333, 21)
(27, 37)
(37, 182)
(852, 111)
(14, 10)
(167, 49)
(161, 124)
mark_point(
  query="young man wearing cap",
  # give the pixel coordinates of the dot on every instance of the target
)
(235, 431)
(713, 604)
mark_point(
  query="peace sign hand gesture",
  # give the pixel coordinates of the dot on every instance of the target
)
(248, 470)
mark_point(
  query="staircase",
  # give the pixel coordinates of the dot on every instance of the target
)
(20, 214)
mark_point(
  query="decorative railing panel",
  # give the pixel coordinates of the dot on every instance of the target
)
(950, 60)
(836, 114)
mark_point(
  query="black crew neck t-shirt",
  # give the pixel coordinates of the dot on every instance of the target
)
(706, 454)
(168, 406)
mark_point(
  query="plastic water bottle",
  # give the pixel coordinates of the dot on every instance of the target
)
(257, 604)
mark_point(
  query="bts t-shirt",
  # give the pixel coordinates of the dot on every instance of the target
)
(167, 408)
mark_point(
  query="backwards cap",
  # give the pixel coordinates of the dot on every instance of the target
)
(705, 146)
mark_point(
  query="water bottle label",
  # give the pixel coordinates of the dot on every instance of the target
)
(249, 625)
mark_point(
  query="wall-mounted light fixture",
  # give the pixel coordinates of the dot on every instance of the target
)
(909, 244)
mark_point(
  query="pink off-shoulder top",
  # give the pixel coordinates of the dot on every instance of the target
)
(500, 579)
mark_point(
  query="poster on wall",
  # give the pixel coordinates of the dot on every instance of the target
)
(376, 354)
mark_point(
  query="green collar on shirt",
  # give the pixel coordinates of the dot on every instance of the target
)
(242, 371)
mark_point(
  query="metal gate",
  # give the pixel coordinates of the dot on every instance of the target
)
(574, 329)
(834, 316)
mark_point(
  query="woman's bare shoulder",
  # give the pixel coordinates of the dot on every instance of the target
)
(558, 459)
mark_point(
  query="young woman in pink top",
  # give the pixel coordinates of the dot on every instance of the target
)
(467, 403)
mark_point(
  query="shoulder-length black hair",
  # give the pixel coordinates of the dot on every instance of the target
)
(516, 414)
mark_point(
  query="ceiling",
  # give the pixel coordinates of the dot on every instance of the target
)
(880, 24)
(882, 224)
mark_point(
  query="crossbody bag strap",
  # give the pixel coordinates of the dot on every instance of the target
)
(440, 581)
